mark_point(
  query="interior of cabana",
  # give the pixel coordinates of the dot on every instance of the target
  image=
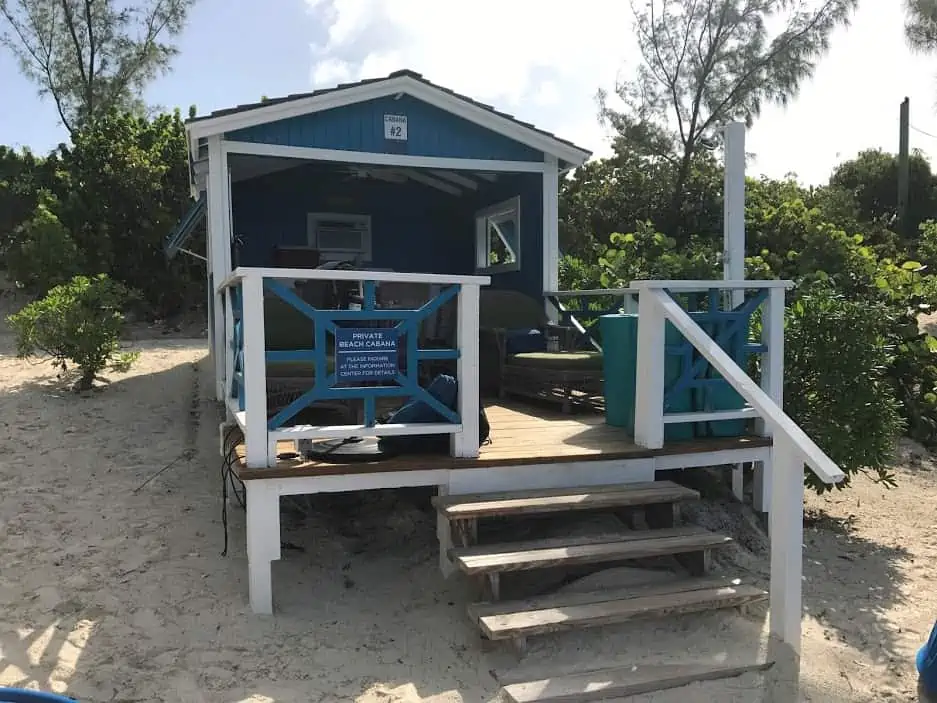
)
(291, 213)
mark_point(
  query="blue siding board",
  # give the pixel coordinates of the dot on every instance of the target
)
(360, 127)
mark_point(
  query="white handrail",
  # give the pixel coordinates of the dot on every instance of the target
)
(780, 423)
(311, 274)
(791, 448)
(591, 291)
(700, 286)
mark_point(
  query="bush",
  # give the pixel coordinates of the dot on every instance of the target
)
(41, 253)
(836, 381)
(78, 322)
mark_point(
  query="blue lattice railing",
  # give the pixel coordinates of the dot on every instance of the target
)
(400, 383)
(731, 330)
(352, 357)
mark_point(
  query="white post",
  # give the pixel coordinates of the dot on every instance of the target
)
(786, 528)
(465, 443)
(219, 256)
(229, 352)
(551, 237)
(444, 535)
(733, 255)
(734, 237)
(263, 542)
(772, 383)
(649, 391)
(255, 371)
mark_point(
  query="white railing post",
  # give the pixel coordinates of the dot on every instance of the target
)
(227, 296)
(772, 383)
(786, 528)
(465, 443)
(255, 371)
(649, 389)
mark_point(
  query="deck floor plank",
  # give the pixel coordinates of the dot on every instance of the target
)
(520, 435)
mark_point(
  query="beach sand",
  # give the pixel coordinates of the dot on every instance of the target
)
(113, 586)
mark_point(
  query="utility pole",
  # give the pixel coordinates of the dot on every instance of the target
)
(904, 160)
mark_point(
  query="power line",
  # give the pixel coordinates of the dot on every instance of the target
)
(926, 134)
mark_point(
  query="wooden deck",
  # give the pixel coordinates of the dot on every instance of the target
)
(520, 435)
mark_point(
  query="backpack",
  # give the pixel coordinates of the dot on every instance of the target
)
(443, 388)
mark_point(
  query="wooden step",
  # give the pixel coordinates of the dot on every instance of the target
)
(566, 611)
(594, 549)
(623, 681)
(554, 500)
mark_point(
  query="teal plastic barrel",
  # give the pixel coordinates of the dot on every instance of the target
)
(620, 348)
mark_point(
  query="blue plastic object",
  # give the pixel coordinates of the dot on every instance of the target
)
(22, 695)
(927, 663)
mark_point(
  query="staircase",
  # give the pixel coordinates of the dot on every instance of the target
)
(515, 620)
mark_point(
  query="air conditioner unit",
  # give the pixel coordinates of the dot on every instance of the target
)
(340, 237)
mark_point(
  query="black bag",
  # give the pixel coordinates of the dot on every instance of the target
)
(444, 389)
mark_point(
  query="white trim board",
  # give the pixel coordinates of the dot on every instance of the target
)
(263, 114)
(367, 157)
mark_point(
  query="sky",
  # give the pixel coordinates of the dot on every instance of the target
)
(542, 62)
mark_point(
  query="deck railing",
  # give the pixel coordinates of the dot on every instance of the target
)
(581, 309)
(367, 345)
(791, 447)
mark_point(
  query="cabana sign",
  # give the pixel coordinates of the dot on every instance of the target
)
(365, 354)
(395, 127)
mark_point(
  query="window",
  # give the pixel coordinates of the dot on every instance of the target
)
(497, 237)
(340, 237)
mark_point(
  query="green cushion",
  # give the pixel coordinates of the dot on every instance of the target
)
(297, 369)
(573, 361)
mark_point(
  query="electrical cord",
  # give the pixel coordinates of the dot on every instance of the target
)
(228, 476)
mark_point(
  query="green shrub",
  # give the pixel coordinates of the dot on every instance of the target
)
(836, 381)
(41, 253)
(78, 322)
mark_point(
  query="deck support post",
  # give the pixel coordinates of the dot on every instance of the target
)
(772, 383)
(255, 373)
(219, 253)
(465, 443)
(551, 237)
(444, 535)
(263, 542)
(786, 532)
(649, 393)
(733, 256)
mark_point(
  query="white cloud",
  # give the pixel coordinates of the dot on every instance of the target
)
(542, 62)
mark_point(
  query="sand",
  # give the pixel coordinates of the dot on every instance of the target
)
(113, 586)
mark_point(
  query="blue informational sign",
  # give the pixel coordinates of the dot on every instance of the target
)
(365, 354)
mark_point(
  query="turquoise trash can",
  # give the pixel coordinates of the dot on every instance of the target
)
(620, 349)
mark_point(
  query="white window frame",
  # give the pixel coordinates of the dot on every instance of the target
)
(362, 254)
(482, 252)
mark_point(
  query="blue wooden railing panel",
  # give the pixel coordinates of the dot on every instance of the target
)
(730, 330)
(325, 385)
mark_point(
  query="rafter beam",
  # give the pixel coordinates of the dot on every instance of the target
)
(456, 178)
(415, 175)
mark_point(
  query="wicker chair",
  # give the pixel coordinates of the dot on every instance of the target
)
(514, 360)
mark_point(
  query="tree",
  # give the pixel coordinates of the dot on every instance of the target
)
(91, 56)
(872, 180)
(709, 62)
(920, 27)
(23, 177)
(125, 185)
